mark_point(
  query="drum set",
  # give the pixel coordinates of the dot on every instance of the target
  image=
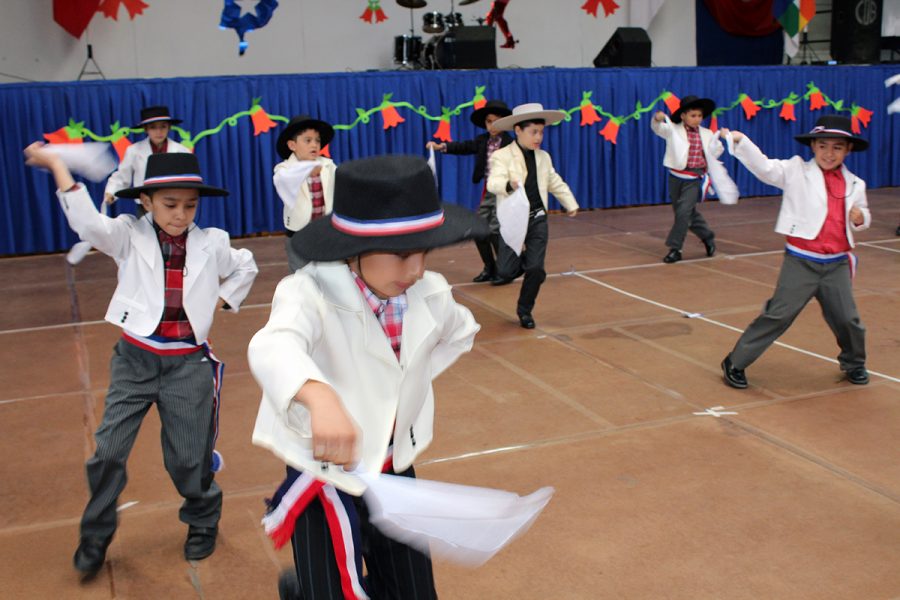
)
(409, 51)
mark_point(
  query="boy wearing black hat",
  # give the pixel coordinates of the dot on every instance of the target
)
(345, 364)
(304, 179)
(689, 149)
(171, 274)
(823, 204)
(483, 146)
(156, 121)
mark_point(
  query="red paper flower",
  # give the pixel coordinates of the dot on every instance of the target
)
(380, 16)
(750, 109)
(610, 131)
(110, 8)
(63, 135)
(854, 124)
(391, 117)
(121, 145)
(367, 15)
(672, 101)
(589, 114)
(816, 100)
(787, 112)
(443, 131)
(864, 115)
(609, 7)
(714, 124)
(261, 121)
(325, 152)
(479, 102)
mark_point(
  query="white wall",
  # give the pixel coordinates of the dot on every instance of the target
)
(181, 38)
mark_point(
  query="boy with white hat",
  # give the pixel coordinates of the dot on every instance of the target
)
(524, 164)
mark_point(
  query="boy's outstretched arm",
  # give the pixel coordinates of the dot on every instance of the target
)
(333, 432)
(38, 156)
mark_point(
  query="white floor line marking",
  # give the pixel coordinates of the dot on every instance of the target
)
(874, 245)
(50, 327)
(715, 411)
(126, 506)
(720, 324)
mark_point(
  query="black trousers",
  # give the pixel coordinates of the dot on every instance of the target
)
(395, 571)
(530, 262)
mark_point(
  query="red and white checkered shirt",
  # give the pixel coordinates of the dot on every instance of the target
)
(695, 160)
(174, 323)
(389, 312)
(318, 197)
(161, 149)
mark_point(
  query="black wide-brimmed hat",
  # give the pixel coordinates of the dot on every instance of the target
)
(298, 124)
(179, 170)
(833, 127)
(705, 105)
(155, 114)
(492, 107)
(386, 203)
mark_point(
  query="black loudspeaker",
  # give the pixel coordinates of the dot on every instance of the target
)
(468, 48)
(628, 47)
(856, 31)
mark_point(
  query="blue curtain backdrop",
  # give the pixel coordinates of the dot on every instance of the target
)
(602, 175)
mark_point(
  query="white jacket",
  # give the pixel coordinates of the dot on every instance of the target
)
(295, 192)
(138, 302)
(677, 145)
(321, 328)
(508, 164)
(134, 165)
(804, 206)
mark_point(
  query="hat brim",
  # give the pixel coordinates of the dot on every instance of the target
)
(203, 189)
(320, 241)
(705, 105)
(859, 144)
(479, 116)
(169, 121)
(550, 117)
(325, 130)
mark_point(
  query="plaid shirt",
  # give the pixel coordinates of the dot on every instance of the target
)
(695, 160)
(318, 197)
(174, 323)
(389, 312)
(161, 149)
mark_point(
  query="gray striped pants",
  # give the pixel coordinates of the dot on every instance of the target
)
(182, 388)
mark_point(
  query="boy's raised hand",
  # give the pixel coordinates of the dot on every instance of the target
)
(38, 156)
(660, 116)
(333, 431)
(735, 135)
(435, 146)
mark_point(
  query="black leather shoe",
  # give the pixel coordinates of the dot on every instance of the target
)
(289, 586)
(673, 256)
(710, 247)
(859, 376)
(200, 542)
(484, 276)
(500, 281)
(733, 377)
(90, 555)
(526, 321)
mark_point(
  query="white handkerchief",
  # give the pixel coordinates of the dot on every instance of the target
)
(289, 177)
(512, 213)
(91, 160)
(893, 80)
(726, 189)
(432, 163)
(461, 523)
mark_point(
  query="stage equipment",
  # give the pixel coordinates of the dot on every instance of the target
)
(467, 2)
(628, 47)
(433, 23)
(466, 47)
(407, 50)
(856, 31)
(412, 3)
(453, 20)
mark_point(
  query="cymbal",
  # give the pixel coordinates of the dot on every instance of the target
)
(464, 2)
(412, 3)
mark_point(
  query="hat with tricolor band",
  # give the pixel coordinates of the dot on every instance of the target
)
(833, 127)
(155, 114)
(172, 170)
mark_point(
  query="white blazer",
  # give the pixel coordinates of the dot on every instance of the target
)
(138, 302)
(804, 206)
(297, 197)
(321, 328)
(134, 165)
(677, 144)
(508, 164)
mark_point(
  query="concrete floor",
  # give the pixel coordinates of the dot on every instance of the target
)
(793, 494)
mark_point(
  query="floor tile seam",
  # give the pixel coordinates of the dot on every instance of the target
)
(550, 390)
(726, 326)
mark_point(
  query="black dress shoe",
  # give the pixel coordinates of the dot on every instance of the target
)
(733, 376)
(483, 276)
(289, 586)
(710, 247)
(859, 376)
(526, 321)
(673, 256)
(90, 555)
(500, 281)
(200, 542)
